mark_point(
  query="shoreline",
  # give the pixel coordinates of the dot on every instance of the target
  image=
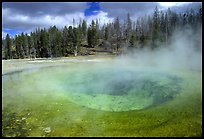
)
(18, 65)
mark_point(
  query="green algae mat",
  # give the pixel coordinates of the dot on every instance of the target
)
(100, 99)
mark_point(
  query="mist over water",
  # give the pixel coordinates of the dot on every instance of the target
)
(134, 80)
(182, 53)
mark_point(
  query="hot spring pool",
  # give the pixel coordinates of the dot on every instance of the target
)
(96, 87)
(102, 87)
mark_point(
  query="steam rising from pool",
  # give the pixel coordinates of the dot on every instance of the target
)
(103, 86)
(126, 89)
(135, 80)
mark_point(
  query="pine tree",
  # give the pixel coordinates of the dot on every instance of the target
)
(129, 27)
(118, 33)
(106, 32)
(133, 40)
(55, 41)
(89, 38)
(23, 45)
(26, 49)
(97, 32)
(65, 41)
(30, 45)
(70, 40)
(92, 35)
(76, 42)
(58, 46)
(156, 28)
(17, 46)
(8, 47)
(162, 27)
(138, 29)
(43, 43)
(84, 29)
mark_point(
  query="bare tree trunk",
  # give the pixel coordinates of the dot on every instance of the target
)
(75, 51)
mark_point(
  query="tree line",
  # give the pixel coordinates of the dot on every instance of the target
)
(146, 31)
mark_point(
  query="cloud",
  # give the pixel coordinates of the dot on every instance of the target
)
(44, 8)
(186, 6)
(28, 23)
(3, 34)
(101, 16)
(170, 4)
(138, 9)
(120, 9)
(24, 22)
(92, 8)
(27, 16)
